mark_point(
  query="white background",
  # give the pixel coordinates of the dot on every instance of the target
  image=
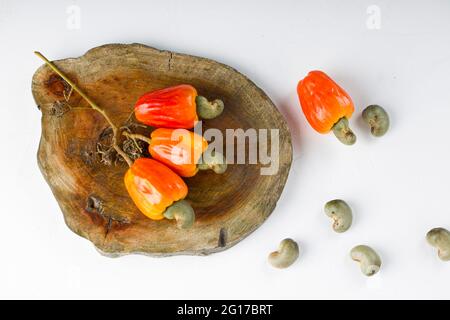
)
(398, 185)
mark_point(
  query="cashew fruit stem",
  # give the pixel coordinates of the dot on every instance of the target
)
(92, 104)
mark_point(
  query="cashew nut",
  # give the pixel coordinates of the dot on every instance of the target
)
(213, 160)
(343, 132)
(440, 239)
(182, 212)
(207, 109)
(368, 259)
(341, 213)
(377, 118)
(286, 255)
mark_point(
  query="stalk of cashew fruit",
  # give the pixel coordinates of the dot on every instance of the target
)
(153, 187)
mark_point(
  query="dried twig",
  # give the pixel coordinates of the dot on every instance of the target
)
(92, 104)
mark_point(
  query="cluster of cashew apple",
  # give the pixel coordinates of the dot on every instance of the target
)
(155, 184)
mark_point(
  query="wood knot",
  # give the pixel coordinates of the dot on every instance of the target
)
(96, 208)
(88, 155)
(94, 205)
(57, 86)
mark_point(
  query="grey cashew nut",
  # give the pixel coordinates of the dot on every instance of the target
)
(440, 239)
(213, 160)
(341, 213)
(377, 118)
(369, 260)
(182, 212)
(209, 109)
(286, 255)
(343, 132)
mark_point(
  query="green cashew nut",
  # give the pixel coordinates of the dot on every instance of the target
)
(182, 212)
(343, 132)
(286, 255)
(213, 160)
(377, 118)
(207, 109)
(440, 239)
(368, 259)
(341, 213)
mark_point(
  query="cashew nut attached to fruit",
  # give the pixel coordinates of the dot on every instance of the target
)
(341, 213)
(286, 255)
(343, 132)
(440, 239)
(368, 259)
(182, 212)
(213, 161)
(208, 109)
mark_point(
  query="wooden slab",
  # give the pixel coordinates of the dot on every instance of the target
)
(92, 195)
